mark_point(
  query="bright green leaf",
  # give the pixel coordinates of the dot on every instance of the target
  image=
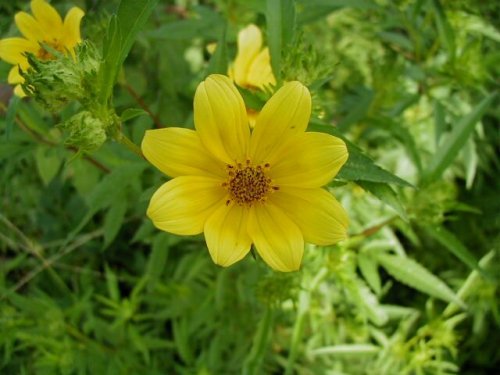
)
(413, 274)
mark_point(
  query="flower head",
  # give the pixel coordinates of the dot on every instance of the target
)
(252, 67)
(44, 28)
(243, 187)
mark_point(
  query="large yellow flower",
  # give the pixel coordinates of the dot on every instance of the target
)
(252, 67)
(241, 187)
(44, 27)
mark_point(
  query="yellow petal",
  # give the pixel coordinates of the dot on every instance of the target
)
(179, 152)
(183, 205)
(320, 217)
(14, 76)
(29, 27)
(12, 50)
(249, 44)
(71, 35)
(278, 239)
(18, 91)
(226, 234)
(308, 160)
(48, 18)
(221, 119)
(260, 73)
(286, 113)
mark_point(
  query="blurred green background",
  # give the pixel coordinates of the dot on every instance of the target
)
(88, 286)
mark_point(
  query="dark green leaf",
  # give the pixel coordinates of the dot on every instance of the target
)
(280, 20)
(413, 274)
(386, 194)
(114, 219)
(131, 113)
(447, 152)
(218, 62)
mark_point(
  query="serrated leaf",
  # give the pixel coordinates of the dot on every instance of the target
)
(447, 152)
(413, 274)
(359, 167)
(131, 113)
(386, 194)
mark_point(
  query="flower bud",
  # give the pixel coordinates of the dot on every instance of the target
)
(65, 77)
(85, 131)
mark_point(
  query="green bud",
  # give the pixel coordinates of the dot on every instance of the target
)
(61, 78)
(85, 131)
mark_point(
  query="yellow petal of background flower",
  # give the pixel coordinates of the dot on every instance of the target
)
(14, 77)
(48, 18)
(260, 72)
(221, 119)
(286, 113)
(179, 152)
(308, 160)
(71, 35)
(226, 234)
(12, 50)
(278, 239)
(249, 44)
(18, 91)
(320, 217)
(29, 27)
(183, 205)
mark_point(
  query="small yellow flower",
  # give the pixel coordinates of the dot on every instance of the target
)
(252, 67)
(241, 187)
(44, 27)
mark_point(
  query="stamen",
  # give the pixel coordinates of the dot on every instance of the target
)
(247, 184)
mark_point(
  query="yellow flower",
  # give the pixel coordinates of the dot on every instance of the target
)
(44, 27)
(243, 187)
(252, 67)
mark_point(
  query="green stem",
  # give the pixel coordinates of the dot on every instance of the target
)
(124, 140)
(254, 359)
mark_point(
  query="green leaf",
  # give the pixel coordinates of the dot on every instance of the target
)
(114, 219)
(157, 259)
(453, 245)
(386, 194)
(359, 167)
(47, 163)
(10, 117)
(280, 20)
(112, 284)
(444, 28)
(368, 268)
(218, 62)
(122, 31)
(447, 152)
(131, 113)
(413, 274)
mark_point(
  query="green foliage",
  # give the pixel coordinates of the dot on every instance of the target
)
(89, 286)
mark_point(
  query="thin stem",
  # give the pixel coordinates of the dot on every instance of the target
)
(143, 105)
(124, 140)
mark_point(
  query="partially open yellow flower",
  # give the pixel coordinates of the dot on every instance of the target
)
(252, 67)
(241, 187)
(44, 27)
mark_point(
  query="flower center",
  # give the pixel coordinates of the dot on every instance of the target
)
(247, 184)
